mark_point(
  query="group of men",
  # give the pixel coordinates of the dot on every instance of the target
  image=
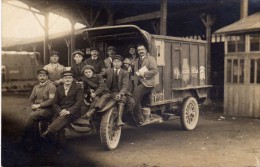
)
(59, 98)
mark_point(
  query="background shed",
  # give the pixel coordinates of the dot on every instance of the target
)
(242, 67)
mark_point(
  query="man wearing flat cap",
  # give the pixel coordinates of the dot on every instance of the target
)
(41, 100)
(54, 68)
(117, 83)
(79, 64)
(95, 60)
(111, 51)
(67, 104)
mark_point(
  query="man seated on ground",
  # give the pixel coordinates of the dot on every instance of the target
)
(94, 87)
(117, 83)
(95, 60)
(67, 104)
(41, 100)
(145, 69)
(54, 68)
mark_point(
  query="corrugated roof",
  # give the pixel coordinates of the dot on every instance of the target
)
(247, 24)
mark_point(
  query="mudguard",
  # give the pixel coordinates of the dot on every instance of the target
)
(108, 105)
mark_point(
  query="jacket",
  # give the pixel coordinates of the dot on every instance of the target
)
(54, 72)
(71, 102)
(98, 63)
(43, 94)
(96, 82)
(123, 80)
(108, 62)
(149, 76)
(77, 70)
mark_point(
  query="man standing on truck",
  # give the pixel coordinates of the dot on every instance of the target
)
(41, 100)
(79, 64)
(111, 51)
(145, 70)
(95, 60)
(54, 68)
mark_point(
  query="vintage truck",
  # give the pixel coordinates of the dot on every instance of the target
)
(181, 84)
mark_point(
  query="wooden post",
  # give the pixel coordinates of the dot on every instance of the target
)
(72, 43)
(208, 20)
(110, 13)
(163, 19)
(243, 8)
(46, 39)
(68, 49)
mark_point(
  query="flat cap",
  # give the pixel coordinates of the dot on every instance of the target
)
(131, 46)
(42, 71)
(118, 57)
(78, 51)
(89, 67)
(111, 48)
(127, 61)
(94, 48)
(54, 52)
(67, 73)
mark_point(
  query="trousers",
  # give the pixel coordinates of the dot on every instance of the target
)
(60, 122)
(31, 131)
(138, 95)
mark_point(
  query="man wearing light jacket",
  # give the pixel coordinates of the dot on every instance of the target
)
(145, 70)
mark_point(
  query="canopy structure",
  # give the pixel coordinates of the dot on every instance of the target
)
(247, 24)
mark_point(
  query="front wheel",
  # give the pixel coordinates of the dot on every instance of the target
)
(109, 132)
(190, 114)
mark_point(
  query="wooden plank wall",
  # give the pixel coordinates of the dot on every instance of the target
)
(167, 72)
(242, 99)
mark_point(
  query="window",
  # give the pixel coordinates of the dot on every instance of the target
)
(229, 66)
(241, 71)
(236, 43)
(258, 71)
(255, 71)
(252, 71)
(235, 71)
(255, 42)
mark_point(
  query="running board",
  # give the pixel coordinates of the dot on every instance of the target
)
(152, 120)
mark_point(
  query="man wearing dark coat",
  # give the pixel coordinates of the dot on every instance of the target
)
(79, 64)
(95, 60)
(95, 88)
(67, 104)
(117, 82)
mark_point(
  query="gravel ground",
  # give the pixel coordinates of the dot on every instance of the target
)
(217, 141)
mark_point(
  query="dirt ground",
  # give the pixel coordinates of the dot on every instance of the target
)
(217, 141)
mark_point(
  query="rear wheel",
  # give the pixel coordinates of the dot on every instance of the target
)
(109, 132)
(190, 113)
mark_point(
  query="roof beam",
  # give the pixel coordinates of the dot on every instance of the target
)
(146, 16)
(27, 9)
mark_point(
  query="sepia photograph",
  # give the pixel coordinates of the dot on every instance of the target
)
(130, 83)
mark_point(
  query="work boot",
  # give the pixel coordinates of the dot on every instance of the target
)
(89, 114)
(120, 113)
(108, 105)
(46, 134)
